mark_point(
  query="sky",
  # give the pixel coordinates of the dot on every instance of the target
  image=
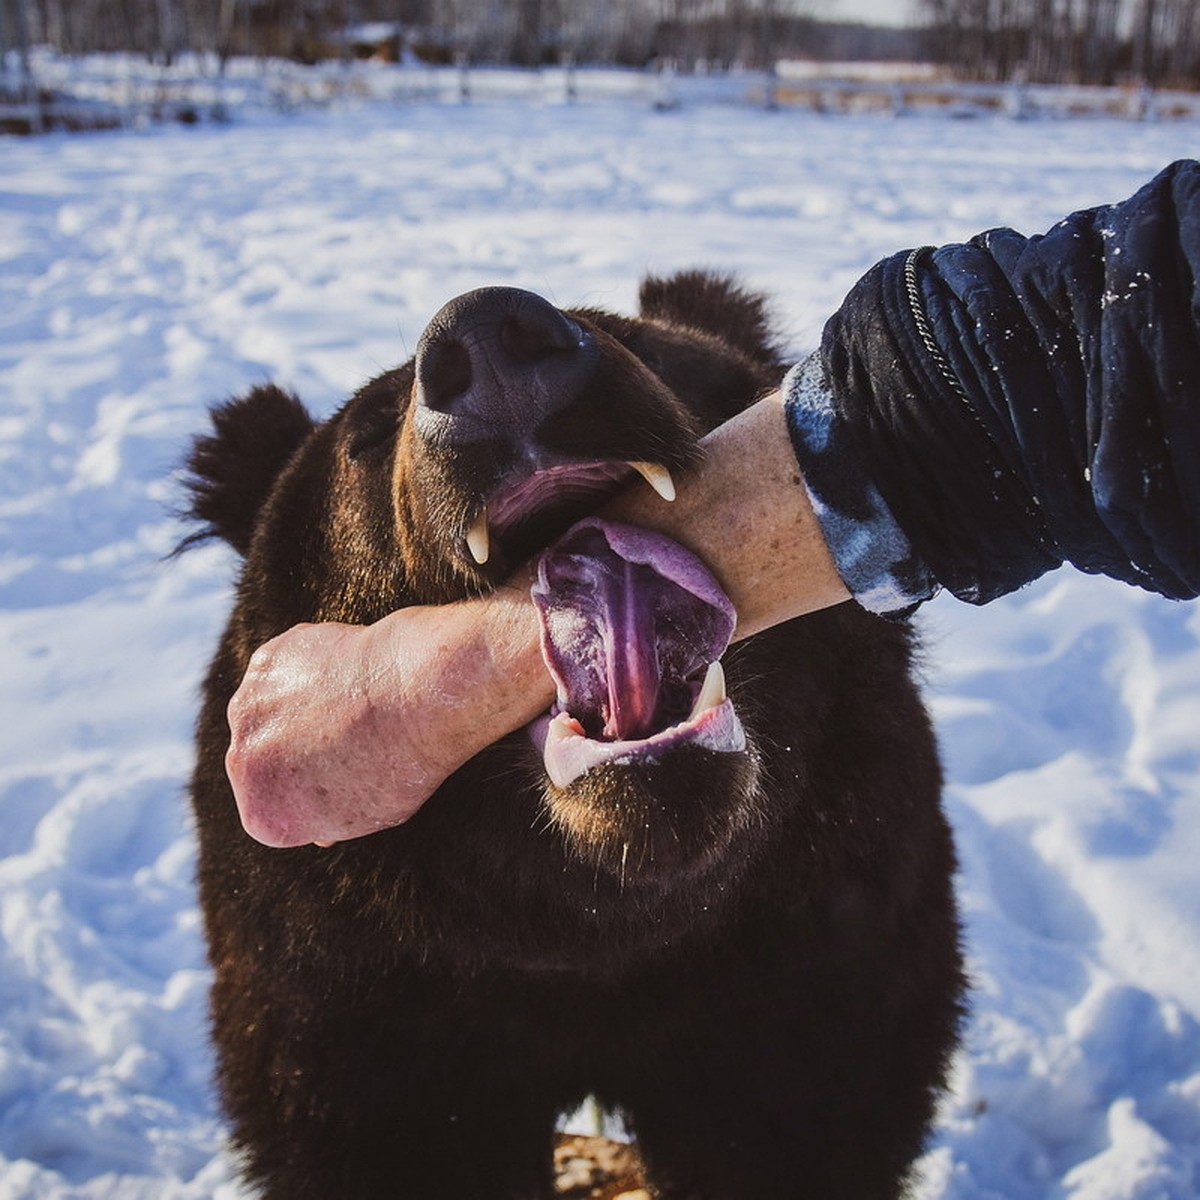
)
(877, 12)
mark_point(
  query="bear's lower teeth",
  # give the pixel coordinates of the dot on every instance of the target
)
(633, 626)
(712, 690)
(628, 617)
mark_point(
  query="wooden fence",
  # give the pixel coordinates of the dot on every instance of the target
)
(105, 91)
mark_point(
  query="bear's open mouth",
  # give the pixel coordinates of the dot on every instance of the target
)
(633, 627)
(524, 515)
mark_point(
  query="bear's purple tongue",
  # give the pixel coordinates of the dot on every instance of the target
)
(630, 623)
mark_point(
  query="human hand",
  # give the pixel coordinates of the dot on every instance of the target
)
(338, 731)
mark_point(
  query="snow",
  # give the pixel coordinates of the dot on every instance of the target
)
(146, 274)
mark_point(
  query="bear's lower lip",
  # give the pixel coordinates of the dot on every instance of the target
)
(569, 754)
(631, 621)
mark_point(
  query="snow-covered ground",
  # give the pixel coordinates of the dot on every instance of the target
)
(144, 275)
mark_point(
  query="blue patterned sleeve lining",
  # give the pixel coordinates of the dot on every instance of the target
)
(873, 556)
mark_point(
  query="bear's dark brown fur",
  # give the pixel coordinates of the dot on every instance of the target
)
(752, 956)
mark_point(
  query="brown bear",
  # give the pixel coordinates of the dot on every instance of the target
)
(725, 911)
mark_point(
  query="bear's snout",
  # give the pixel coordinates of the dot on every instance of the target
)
(495, 362)
(523, 419)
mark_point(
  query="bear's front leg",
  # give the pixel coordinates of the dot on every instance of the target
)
(773, 1121)
(362, 1098)
(809, 1073)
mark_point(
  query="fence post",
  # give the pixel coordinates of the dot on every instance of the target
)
(666, 95)
(570, 85)
(1141, 102)
(1016, 99)
(464, 77)
(771, 89)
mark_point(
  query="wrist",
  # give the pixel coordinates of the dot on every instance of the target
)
(870, 551)
(470, 672)
(505, 646)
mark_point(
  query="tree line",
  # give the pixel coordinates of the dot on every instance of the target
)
(1155, 42)
(1080, 41)
(514, 31)
(714, 33)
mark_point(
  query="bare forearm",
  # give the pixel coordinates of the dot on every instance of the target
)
(746, 513)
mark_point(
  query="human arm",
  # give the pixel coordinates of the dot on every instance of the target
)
(978, 415)
(1013, 403)
(338, 731)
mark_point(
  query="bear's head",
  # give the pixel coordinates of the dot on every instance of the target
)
(658, 778)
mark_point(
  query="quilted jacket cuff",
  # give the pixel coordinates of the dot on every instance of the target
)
(872, 553)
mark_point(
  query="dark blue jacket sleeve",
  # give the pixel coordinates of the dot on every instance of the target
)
(1016, 402)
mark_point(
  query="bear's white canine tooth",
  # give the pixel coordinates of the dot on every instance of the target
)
(477, 538)
(712, 690)
(658, 477)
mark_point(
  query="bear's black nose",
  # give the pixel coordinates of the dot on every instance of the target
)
(498, 361)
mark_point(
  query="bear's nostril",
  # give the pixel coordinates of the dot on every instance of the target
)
(529, 337)
(444, 373)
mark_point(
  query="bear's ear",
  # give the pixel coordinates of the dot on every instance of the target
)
(231, 471)
(715, 304)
